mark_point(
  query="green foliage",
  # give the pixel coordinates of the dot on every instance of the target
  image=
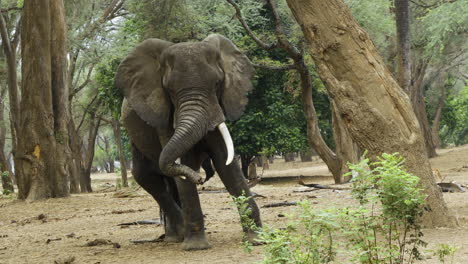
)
(383, 228)
(445, 250)
(397, 192)
(110, 96)
(443, 25)
(376, 18)
(454, 122)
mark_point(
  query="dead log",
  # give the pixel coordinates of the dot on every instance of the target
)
(320, 186)
(450, 187)
(279, 204)
(143, 222)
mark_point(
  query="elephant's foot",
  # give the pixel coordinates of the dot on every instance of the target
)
(173, 238)
(195, 242)
(174, 234)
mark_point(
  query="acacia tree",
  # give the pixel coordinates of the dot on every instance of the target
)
(346, 150)
(43, 152)
(377, 111)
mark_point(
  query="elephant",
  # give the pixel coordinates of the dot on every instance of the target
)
(177, 97)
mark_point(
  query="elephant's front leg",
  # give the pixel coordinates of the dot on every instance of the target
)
(234, 180)
(194, 227)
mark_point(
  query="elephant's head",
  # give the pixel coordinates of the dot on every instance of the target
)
(191, 86)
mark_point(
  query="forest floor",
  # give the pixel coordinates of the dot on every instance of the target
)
(57, 230)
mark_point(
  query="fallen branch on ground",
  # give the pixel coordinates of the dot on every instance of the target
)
(279, 204)
(320, 186)
(143, 222)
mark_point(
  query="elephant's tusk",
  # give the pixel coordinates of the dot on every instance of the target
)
(228, 141)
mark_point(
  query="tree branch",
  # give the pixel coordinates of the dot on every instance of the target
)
(275, 68)
(3, 10)
(83, 85)
(260, 43)
(283, 41)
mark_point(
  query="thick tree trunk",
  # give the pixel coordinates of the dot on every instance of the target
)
(403, 43)
(60, 92)
(42, 151)
(345, 146)
(376, 111)
(118, 141)
(75, 142)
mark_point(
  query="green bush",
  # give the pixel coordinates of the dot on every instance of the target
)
(383, 228)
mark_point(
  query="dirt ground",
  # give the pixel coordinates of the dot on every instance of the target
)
(58, 229)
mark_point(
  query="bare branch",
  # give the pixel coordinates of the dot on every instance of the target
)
(275, 67)
(87, 110)
(83, 85)
(262, 44)
(283, 41)
(4, 10)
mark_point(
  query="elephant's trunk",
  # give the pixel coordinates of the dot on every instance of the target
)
(193, 120)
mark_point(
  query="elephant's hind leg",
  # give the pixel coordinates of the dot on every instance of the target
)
(154, 183)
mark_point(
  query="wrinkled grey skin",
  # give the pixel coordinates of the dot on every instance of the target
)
(175, 97)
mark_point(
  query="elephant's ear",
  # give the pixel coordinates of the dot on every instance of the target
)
(238, 72)
(139, 78)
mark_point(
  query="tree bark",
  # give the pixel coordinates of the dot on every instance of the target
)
(118, 141)
(75, 142)
(42, 151)
(9, 49)
(419, 107)
(85, 180)
(345, 145)
(403, 44)
(376, 111)
(5, 168)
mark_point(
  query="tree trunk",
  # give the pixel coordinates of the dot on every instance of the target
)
(245, 162)
(403, 44)
(438, 115)
(5, 168)
(266, 165)
(85, 180)
(42, 151)
(259, 161)
(9, 49)
(118, 141)
(376, 111)
(75, 142)
(306, 155)
(252, 170)
(345, 146)
(419, 108)
(288, 157)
